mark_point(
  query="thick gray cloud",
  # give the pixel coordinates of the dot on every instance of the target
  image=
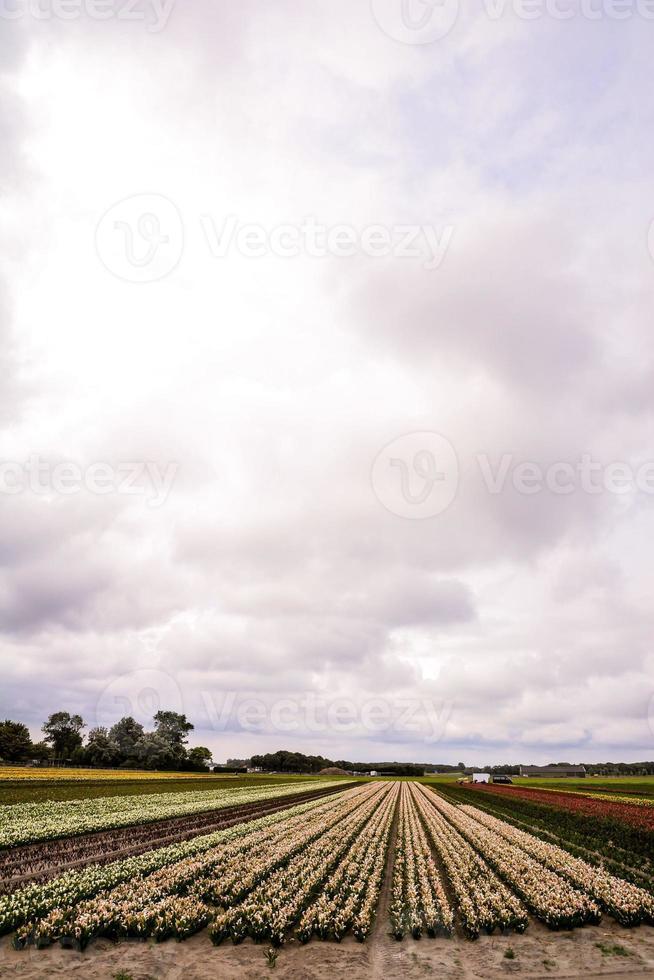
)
(274, 593)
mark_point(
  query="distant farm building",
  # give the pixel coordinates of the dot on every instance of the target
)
(333, 771)
(554, 772)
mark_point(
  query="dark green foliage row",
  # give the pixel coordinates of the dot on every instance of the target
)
(284, 761)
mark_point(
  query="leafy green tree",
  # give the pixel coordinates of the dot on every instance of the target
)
(101, 749)
(154, 752)
(63, 731)
(200, 757)
(41, 752)
(126, 733)
(15, 741)
(173, 728)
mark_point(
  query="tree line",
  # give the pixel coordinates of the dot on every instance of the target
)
(284, 761)
(125, 745)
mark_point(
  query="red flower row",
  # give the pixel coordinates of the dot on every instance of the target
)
(635, 816)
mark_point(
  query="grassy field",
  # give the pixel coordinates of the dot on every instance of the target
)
(96, 784)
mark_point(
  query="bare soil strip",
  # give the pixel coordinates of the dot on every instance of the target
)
(538, 953)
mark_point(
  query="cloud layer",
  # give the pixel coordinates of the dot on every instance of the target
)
(277, 595)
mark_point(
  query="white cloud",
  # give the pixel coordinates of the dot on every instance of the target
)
(272, 570)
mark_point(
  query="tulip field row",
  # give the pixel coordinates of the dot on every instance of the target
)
(26, 823)
(36, 900)
(418, 900)
(38, 774)
(328, 868)
(47, 859)
(586, 827)
(181, 896)
(633, 812)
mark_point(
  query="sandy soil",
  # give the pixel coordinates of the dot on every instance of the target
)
(538, 953)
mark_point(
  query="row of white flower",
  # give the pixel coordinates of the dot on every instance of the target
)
(627, 903)
(547, 894)
(349, 897)
(272, 908)
(483, 902)
(398, 911)
(66, 890)
(418, 900)
(47, 858)
(132, 908)
(25, 823)
(234, 882)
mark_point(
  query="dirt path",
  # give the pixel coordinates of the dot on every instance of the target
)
(538, 953)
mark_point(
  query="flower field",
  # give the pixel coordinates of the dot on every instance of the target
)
(46, 859)
(634, 813)
(625, 902)
(419, 903)
(630, 797)
(32, 774)
(25, 823)
(391, 853)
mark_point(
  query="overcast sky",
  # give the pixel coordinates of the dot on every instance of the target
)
(290, 293)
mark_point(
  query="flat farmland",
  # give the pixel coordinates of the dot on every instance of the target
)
(21, 785)
(254, 875)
